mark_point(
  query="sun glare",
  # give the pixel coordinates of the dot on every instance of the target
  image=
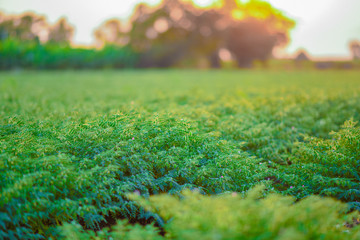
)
(203, 3)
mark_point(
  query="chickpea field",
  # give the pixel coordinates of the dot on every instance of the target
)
(180, 154)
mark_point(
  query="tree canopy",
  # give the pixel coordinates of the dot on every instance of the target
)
(32, 27)
(179, 32)
(172, 33)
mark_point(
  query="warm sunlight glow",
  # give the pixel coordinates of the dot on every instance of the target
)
(224, 54)
(161, 25)
(317, 21)
(176, 14)
(238, 14)
(151, 33)
(203, 3)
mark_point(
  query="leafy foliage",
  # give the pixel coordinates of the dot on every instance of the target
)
(231, 216)
(331, 167)
(73, 147)
(176, 32)
(15, 53)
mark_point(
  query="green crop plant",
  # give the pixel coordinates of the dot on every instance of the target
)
(232, 216)
(331, 167)
(74, 144)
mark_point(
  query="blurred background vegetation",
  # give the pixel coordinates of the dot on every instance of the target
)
(175, 33)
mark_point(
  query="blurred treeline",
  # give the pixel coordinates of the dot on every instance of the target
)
(15, 53)
(175, 33)
(28, 41)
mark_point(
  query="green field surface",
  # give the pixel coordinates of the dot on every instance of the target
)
(172, 154)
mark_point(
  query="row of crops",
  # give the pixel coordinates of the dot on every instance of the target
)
(179, 155)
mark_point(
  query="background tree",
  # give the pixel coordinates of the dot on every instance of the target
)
(355, 49)
(61, 32)
(5, 26)
(177, 31)
(33, 27)
(112, 32)
(25, 27)
(253, 30)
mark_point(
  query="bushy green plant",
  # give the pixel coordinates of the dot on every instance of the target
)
(149, 154)
(231, 216)
(331, 166)
(72, 144)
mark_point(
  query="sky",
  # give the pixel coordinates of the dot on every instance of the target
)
(324, 27)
